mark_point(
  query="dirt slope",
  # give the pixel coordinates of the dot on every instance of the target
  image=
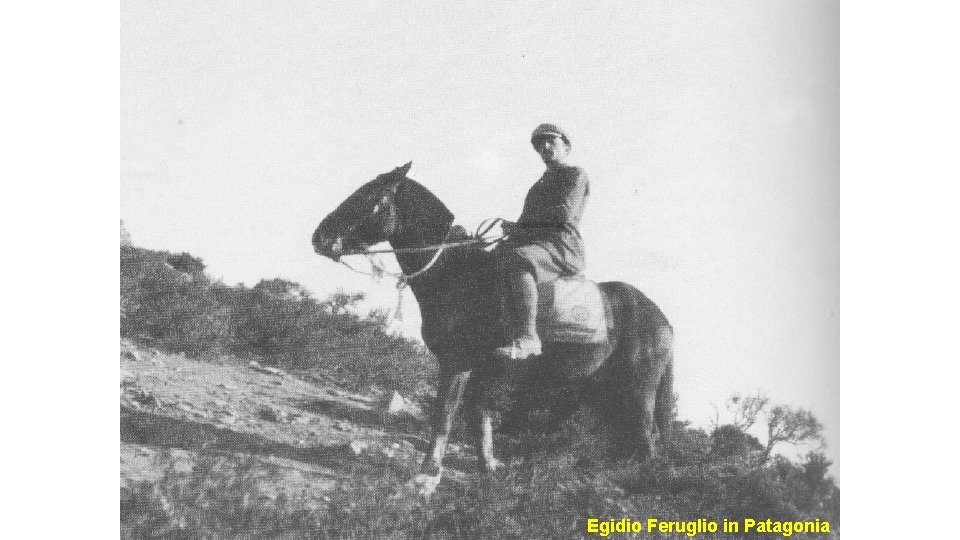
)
(296, 432)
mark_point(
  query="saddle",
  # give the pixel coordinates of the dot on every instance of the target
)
(571, 310)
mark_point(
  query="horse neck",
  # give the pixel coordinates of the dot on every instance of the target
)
(423, 221)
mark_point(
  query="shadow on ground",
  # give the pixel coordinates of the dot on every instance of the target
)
(146, 428)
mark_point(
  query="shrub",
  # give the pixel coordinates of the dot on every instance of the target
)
(730, 441)
(167, 301)
(168, 308)
(686, 445)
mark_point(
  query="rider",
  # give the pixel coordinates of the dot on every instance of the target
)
(544, 243)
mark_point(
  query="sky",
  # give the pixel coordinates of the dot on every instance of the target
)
(709, 130)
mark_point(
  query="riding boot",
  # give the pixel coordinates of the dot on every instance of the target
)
(524, 341)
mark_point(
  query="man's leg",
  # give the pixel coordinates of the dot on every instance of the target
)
(521, 289)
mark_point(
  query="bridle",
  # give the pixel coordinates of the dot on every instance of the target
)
(402, 277)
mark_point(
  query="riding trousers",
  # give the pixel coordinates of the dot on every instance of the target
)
(545, 261)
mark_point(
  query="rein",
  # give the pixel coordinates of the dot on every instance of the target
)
(482, 229)
(403, 278)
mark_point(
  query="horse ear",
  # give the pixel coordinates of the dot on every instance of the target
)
(399, 175)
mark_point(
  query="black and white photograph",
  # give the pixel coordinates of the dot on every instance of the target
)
(479, 269)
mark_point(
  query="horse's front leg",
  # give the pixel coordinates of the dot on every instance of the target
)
(449, 396)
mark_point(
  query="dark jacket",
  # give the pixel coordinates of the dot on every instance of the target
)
(551, 220)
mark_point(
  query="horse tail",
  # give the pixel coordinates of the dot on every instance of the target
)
(644, 355)
(663, 409)
(654, 325)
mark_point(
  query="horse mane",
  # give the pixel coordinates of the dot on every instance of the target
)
(423, 210)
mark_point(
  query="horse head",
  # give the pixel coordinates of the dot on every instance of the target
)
(367, 217)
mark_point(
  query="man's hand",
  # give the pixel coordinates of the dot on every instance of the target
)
(492, 236)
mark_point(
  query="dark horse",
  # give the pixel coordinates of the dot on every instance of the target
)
(460, 307)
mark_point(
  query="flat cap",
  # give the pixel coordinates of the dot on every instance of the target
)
(548, 130)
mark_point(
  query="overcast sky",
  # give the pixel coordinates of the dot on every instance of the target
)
(710, 131)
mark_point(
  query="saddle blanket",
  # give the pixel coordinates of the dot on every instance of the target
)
(570, 310)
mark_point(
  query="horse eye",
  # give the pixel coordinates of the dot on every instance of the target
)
(376, 208)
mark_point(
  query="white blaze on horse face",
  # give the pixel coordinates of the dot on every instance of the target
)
(328, 246)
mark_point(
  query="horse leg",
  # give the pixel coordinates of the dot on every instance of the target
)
(485, 458)
(449, 396)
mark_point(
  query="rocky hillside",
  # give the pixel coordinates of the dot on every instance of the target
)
(298, 432)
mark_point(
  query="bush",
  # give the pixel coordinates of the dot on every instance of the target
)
(686, 445)
(168, 308)
(167, 301)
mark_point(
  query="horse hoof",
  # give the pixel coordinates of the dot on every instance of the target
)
(424, 484)
(491, 466)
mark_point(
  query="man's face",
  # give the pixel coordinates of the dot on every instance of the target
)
(553, 150)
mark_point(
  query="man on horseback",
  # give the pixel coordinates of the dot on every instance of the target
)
(454, 297)
(543, 244)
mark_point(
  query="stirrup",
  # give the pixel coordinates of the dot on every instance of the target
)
(520, 349)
